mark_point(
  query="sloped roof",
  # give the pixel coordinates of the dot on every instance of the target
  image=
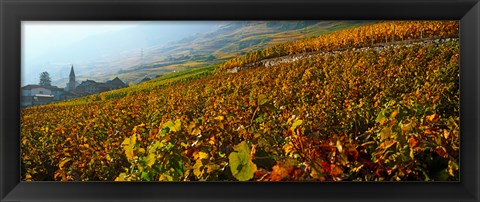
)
(32, 86)
(116, 81)
(72, 73)
(87, 82)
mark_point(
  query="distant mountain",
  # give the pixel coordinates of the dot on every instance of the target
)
(149, 51)
(228, 40)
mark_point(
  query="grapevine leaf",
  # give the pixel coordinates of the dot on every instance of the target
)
(241, 164)
(62, 163)
(219, 118)
(121, 177)
(262, 99)
(296, 124)
(197, 168)
(177, 126)
(128, 145)
(168, 125)
(165, 177)
(385, 133)
(150, 159)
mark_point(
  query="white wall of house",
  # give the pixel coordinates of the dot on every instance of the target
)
(40, 90)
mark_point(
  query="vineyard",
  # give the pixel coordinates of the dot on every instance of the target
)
(363, 114)
(366, 35)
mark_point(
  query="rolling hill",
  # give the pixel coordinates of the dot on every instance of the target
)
(143, 53)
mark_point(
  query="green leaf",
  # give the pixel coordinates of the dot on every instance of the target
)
(163, 132)
(241, 164)
(145, 176)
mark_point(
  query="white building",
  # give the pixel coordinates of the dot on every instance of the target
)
(39, 94)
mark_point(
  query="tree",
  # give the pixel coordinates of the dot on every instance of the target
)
(45, 79)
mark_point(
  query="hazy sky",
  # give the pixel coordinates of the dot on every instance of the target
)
(40, 36)
(42, 40)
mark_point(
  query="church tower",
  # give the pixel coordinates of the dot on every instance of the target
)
(71, 85)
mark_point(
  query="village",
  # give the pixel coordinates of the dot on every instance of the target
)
(37, 94)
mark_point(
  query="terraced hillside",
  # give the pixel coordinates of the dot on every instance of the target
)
(348, 112)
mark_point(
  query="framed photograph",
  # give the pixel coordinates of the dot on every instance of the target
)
(109, 100)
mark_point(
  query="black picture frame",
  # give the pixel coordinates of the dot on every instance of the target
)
(12, 12)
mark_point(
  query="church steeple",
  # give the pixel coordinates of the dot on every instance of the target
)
(71, 85)
(72, 75)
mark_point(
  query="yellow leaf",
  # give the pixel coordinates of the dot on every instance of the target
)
(385, 133)
(339, 146)
(165, 177)
(177, 126)
(433, 118)
(196, 131)
(202, 155)
(219, 118)
(446, 134)
(278, 173)
(394, 114)
(63, 162)
(121, 177)
(128, 145)
(296, 124)
(452, 168)
(288, 148)
(212, 167)
(212, 140)
(150, 160)
(197, 168)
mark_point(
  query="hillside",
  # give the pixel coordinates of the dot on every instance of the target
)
(351, 111)
(204, 48)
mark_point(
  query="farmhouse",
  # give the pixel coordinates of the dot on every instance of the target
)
(39, 94)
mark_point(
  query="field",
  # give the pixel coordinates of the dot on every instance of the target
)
(378, 102)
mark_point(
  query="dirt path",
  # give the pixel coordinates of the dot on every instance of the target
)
(378, 47)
